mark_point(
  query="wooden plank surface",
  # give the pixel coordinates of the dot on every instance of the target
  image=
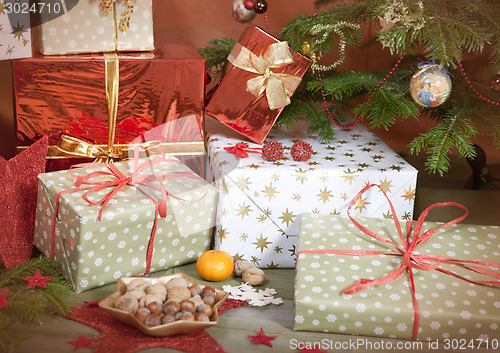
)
(231, 332)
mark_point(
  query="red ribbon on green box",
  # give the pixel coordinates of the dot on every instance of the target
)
(411, 260)
(117, 181)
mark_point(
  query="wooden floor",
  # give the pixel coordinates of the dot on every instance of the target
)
(231, 332)
(236, 324)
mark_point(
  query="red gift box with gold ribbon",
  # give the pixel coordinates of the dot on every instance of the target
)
(96, 105)
(261, 76)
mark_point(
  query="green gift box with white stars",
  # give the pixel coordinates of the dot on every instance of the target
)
(123, 242)
(260, 202)
(450, 308)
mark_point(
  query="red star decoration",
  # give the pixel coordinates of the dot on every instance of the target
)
(4, 302)
(87, 303)
(83, 342)
(37, 280)
(18, 193)
(262, 338)
(120, 338)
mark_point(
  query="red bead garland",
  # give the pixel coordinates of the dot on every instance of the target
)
(471, 86)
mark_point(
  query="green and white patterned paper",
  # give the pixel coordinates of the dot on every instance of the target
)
(94, 253)
(450, 307)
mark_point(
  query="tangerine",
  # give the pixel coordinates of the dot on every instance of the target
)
(215, 265)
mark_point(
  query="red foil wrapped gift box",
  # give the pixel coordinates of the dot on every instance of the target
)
(242, 100)
(160, 97)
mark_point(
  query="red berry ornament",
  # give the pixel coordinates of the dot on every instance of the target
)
(248, 4)
(272, 151)
(301, 151)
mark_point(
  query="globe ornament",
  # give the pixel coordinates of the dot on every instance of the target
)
(241, 13)
(430, 86)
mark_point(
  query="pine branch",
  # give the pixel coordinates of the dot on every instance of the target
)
(216, 53)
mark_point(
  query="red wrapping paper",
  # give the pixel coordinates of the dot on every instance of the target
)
(233, 106)
(160, 97)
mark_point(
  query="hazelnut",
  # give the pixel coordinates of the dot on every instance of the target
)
(186, 316)
(206, 309)
(167, 319)
(178, 294)
(152, 320)
(128, 303)
(187, 305)
(208, 299)
(171, 307)
(201, 317)
(195, 290)
(155, 308)
(176, 282)
(142, 313)
(240, 266)
(208, 290)
(253, 276)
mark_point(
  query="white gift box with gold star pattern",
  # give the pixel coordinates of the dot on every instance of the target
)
(15, 35)
(260, 202)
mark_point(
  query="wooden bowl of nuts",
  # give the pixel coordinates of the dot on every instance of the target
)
(164, 306)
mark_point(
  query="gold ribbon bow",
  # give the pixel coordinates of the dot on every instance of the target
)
(278, 87)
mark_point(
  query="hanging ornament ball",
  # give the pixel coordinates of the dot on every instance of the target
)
(272, 151)
(495, 83)
(241, 13)
(301, 151)
(430, 86)
(260, 6)
(248, 4)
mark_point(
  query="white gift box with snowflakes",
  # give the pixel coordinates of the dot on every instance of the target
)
(15, 35)
(260, 202)
(96, 252)
(82, 26)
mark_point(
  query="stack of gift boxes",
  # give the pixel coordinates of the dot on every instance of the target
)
(342, 217)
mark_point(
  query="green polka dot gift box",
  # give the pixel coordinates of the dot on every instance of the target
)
(355, 280)
(123, 219)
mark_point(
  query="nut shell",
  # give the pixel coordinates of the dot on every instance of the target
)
(240, 266)
(253, 276)
(128, 303)
(176, 282)
(178, 294)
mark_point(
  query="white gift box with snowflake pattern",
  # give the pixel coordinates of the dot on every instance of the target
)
(260, 202)
(450, 307)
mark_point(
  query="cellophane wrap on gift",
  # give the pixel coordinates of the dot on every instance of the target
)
(96, 252)
(260, 203)
(450, 307)
(239, 109)
(160, 98)
(15, 35)
(84, 28)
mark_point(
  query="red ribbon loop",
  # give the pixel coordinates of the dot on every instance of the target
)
(115, 181)
(424, 262)
(241, 150)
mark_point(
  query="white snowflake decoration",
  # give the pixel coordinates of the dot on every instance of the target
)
(250, 294)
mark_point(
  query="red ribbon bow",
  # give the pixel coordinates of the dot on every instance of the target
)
(119, 180)
(411, 260)
(241, 150)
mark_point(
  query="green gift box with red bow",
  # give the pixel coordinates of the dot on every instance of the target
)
(411, 280)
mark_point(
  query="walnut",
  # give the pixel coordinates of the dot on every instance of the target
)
(176, 282)
(128, 303)
(178, 294)
(240, 266)
(253, 276)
